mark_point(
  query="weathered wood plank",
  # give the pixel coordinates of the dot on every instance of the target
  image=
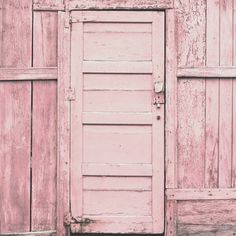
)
(77, 45)
(191, 133)
(205, 230)
(212, 96)
(44, 121)
(171, 100)
(45, 39)
(158, 127)
(191, 18)
(207, 212)
(170, 223)
(123, 4)
(44, 156)
(63, 125)
(16, 41)
(15, 156)
(48, 7)
(234, 104)
(30, 73)
(225, 104)
(200, 194)
(15, 51)
(39, 233)
(213, 71)
(191, 94)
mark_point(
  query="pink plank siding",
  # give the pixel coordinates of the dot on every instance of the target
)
(16, 44)
(212, 97)
(116, 135)
(44, 156)
(44, 123)
(15, 156)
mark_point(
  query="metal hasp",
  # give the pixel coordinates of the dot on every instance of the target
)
(76, 224)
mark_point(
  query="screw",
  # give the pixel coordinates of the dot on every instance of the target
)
(158, 117)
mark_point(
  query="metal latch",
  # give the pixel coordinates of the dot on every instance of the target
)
(70, 94)
(159, 97)
(76, 224)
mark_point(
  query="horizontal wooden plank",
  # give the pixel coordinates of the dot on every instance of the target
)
(117, 118)
(117, 169)
(201, 194)
(207, 212)
(114, 4)
(117, 67)
(9, 74)
(131, 224)
(119, 16)
(101, 183)
(207, 72)
(117, 27)
(205, 230)
(117, 203)
(48, 7)
(38, 233)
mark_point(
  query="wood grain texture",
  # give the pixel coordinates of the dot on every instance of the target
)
(44, 156)
(225, 103)
(191, 32)
(191, 133)
(171, 100)
(201, 194)
(191, 94)
(45, 39)
(15, 156)
(212, 96)
(30, 73)
(209, 212)
(205, 230)
(44, 123)
(16, 42)
(234, 104)
(63, 125)
(123, 4)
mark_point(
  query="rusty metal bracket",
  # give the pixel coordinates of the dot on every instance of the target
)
(69, 219)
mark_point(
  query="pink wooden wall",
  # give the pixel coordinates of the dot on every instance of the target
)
(205, 161)
(200, 152)
(28, 120)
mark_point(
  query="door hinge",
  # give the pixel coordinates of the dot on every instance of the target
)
(70, 94)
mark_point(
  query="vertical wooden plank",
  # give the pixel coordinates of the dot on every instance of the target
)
(234, 101)
(171, 218)
(45, 39)
(191, 52)
(76, 119)
(16, 39)
(191, 32)
(212, 96)
(225, 116)
(191, 133)
(63, 124)
(171, 100)
(44, 121)
(15, 123)
(158, 150)
(191, 94)
(14, 156)
(44, 156)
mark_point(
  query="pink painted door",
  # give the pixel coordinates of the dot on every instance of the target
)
(117, 125)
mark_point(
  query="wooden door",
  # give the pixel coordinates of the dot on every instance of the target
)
(117, 125)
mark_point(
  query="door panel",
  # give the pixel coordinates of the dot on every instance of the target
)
(117, 135)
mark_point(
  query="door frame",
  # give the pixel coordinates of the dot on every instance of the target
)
(66, 95)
